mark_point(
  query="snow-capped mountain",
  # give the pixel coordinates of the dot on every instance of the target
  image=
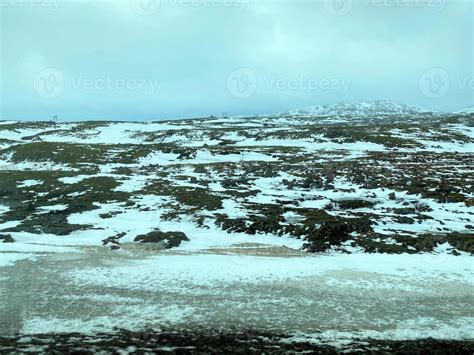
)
(361, 110)
(467, 110)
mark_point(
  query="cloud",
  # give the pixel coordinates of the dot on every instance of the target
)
(186, 51)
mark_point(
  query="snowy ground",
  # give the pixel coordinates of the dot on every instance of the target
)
(329, 232)
(327, 299)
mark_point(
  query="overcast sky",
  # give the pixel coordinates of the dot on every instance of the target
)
(149, 59)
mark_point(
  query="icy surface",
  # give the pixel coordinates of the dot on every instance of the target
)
(248, 193)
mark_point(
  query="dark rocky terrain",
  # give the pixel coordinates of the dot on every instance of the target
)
(392, 186)
(247, 342)
(324, 232)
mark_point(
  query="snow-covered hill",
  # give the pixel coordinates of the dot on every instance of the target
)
(292, 224)
(467, 110)
(369, 110)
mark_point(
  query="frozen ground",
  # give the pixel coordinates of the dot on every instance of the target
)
(328, 231)
(330, 299)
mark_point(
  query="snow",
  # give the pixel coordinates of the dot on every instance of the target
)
(28, 183)
(309, 145)
(232, 209)
(206, 289)
(159, 158)
(134, 183)
(202, 157)
(46, 209)
(463, 129)
(8, 259)
(16, 134)
(32, 247)
(166, 271)
(468, 110)
(327, 299)
(6, 164)
(237, 268)
(9, 224)
(413, 329)
(112, 133)
(28, 247)
(4, 209)
(136, 315)
(360, 109)
(73, 179)
(135, 222)
(453, 215)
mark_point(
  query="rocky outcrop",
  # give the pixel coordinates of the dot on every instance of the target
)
(6, 238)
(166, 239)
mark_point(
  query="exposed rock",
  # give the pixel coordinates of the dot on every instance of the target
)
(187, 154)
(422, 207)
(351, 204)
(461, 241)
(404, 211)
(6, 238)
(200, 169)
(234, 183)
(328, 235)
(232, 341)
(114, 239)
(360, 225)
(404, 220)
(167, 239)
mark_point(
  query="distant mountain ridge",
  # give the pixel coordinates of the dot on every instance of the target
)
(469, 110)
(361, 110)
